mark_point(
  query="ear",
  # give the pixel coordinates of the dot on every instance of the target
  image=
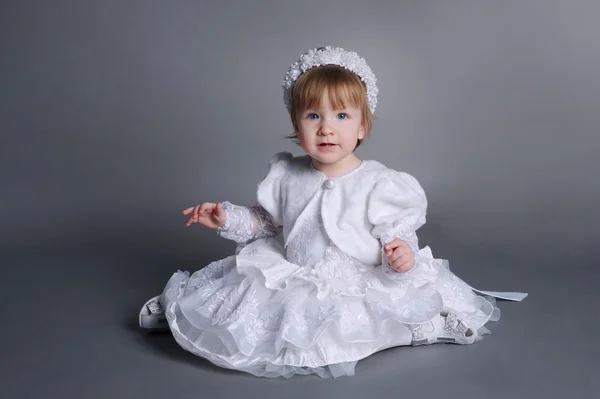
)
(361, 131)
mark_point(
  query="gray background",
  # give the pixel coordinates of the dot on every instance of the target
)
(114, 116)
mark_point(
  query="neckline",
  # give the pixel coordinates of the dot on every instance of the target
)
(353, 171)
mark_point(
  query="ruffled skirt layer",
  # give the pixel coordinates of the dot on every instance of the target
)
(258, 313)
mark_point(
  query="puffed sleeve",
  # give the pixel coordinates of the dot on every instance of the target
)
(269, 189)
(397, 208)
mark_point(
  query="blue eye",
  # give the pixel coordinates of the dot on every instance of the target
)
(342, 115)
(312, 116)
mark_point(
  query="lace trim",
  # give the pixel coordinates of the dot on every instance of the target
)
(245, 224)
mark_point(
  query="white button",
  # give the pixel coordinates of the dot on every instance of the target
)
(329, 184)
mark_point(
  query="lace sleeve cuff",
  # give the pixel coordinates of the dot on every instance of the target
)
(245, 224)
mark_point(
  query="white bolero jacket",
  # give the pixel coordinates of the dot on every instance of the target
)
(362, 210)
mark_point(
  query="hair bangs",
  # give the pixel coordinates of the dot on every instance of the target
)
(343, 88)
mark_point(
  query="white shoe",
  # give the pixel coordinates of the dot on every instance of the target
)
(450, 327)
(152, 316)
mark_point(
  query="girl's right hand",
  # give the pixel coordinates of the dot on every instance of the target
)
(208, 214)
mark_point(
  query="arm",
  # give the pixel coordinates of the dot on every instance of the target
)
(397, 208)
(244, 224)
(237, 223)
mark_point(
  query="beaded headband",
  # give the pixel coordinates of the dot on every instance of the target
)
(327, 56)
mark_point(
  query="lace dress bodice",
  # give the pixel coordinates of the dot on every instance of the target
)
(307, 247)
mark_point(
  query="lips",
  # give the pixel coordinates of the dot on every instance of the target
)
(327, 145)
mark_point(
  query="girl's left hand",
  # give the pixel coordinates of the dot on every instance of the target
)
(399, 255)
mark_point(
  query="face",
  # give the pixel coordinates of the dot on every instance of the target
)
(330, 135)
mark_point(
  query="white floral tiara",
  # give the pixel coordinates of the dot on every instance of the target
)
(327, 56)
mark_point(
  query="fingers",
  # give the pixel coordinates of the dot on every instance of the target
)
(192, 219)
(391, 246)
(402, 266)
(209, 214)
(401, 259)
(207, 207)
(197, 211)
(399, 256)
(204, 207)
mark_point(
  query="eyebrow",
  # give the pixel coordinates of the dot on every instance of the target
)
(346, 109)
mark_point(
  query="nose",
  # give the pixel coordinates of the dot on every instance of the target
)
(325, 128)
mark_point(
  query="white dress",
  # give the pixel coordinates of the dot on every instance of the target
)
(308, 307)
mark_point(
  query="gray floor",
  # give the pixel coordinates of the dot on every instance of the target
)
(71, 333)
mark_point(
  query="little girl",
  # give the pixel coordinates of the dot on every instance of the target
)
(328, 270)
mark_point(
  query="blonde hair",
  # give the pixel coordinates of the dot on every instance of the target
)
(343, 87)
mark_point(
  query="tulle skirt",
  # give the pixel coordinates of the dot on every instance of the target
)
(258, 313)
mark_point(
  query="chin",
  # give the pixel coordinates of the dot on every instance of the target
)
(328, 158)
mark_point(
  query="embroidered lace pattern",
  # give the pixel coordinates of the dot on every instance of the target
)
(246, 224)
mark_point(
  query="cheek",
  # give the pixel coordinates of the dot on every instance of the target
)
(304, 133)
(302, 138)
